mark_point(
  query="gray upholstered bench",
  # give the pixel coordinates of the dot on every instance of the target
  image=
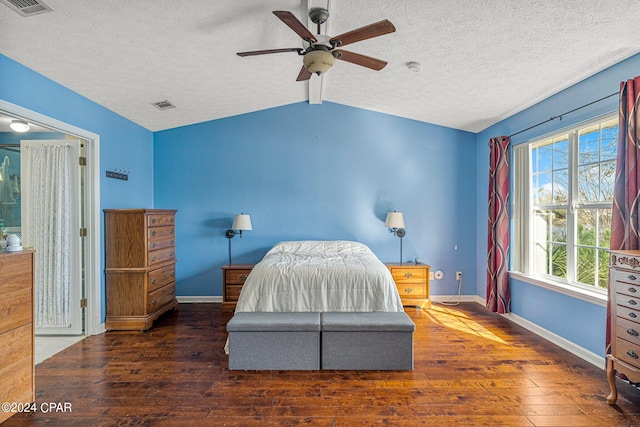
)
(367, 341)
(274, 341)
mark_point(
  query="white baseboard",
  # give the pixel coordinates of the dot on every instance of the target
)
(198, 299)
(561, 342)
(453, 298)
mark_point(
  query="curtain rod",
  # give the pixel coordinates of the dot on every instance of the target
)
(563, 114)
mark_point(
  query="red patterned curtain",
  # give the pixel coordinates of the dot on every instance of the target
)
(625, 224)
(498, 292)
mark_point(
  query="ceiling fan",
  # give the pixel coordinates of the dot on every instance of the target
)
(321, 51)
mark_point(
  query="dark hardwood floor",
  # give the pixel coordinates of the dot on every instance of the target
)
(472, 367)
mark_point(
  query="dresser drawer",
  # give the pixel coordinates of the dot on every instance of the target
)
(161, 255)
(159, 220)
(15, 309)
(167, 242)
(409, 275)
(628, 330)
(627, 288)
(627, 277)
(236, 277)
(628, 313)
(160, 297)
(627, 352)
(162, 277)
(412, 291)
(628, 301)
(161, 233)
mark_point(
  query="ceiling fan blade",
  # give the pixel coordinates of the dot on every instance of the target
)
(372, 30)
(304, 75)
(293, 23)
(363, 60)
(264, 52)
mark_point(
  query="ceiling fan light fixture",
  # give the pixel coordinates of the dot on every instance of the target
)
(318, 61)
(19, 126)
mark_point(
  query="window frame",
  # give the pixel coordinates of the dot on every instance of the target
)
(522, 225)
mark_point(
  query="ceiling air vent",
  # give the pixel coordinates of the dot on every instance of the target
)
(161, 105)
(27, 7)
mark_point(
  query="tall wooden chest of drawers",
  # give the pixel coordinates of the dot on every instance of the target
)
(17, 363)
(140, 266)
(624, 283)
(412, 281)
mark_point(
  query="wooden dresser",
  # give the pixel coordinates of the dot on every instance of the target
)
(412, 281)
(624, 280)
(140, 266)
(233, 277)
(17, 363)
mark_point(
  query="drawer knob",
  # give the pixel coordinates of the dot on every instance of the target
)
(243, 277)
(632, 332)
(172, 274)
(172, 231)
(171, 292)
(171, 219)
(153, 258)
(632, 354)
(632, 289)
(408, 274)
(408, 290)
(153, 220)
(153, 246)
(632, 277)
(173, 242)
(154, 302)
(172, 255)
(154, 281)
(632, 302)
(633, 315)
(153, 233)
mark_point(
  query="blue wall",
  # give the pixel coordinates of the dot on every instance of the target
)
(580, 322)
(123, 144)
(317, 172)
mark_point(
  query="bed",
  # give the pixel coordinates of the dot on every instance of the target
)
(320, 276)
(306, 303)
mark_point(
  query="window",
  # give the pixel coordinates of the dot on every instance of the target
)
(570, 182)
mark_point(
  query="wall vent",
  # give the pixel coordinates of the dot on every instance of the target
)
(162, 105)
(27, 7)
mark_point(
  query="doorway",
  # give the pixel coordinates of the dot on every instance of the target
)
(90, 256)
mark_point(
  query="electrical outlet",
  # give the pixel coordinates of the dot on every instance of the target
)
(458, 275)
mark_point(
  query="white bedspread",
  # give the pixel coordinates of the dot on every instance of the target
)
(319, 276)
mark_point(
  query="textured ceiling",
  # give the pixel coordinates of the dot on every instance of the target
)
(482, 60)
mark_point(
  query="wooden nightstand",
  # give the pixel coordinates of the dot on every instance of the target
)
(233, 277)
(412, 281)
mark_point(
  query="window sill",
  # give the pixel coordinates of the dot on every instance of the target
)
(592, 297)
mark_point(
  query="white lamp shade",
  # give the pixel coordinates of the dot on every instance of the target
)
(394, 220)
(242, 222)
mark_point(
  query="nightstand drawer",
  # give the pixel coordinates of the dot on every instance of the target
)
(409, 275)
(232, 293)
(412, 291)
(236, 277)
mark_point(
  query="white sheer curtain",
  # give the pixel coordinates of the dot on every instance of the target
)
(521, 209)
(46, 215)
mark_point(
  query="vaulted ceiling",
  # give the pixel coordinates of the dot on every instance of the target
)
(481, 60)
